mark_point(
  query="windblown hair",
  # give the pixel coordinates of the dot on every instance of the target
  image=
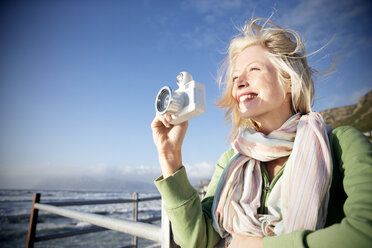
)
(287, 54)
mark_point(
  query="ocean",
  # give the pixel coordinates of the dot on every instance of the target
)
(15, 207)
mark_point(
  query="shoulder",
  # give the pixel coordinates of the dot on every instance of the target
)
(226, 157)
(220, 166)
(348, 137)
(348, 144)
(346, 132)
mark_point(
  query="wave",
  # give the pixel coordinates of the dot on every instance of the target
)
(15, 207)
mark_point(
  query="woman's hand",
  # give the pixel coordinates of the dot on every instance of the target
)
(168, 139)
(241, 241)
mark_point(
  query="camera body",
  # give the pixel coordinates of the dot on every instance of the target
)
(183, 103)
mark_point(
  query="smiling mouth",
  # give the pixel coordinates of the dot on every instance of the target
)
(247, 97)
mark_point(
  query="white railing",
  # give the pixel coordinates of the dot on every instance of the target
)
(160, 234)
(147, 231)
(368, 133)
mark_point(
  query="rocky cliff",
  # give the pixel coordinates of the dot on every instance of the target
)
(358, 115)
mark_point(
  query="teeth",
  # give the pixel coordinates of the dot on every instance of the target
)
(245, 97)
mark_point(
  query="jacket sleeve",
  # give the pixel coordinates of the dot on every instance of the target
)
(190, 218)
(352, 155)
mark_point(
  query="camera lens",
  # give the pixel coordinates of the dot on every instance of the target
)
(163, 100)
(168, 101)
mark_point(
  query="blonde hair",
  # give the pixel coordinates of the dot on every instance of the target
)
(287, 54)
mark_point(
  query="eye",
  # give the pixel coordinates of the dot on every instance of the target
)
(234, 79)
(254, 69)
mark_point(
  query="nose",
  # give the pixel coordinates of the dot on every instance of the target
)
(241, 81)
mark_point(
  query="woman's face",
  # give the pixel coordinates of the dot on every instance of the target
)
(256, 89)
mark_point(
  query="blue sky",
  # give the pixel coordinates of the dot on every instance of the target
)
(78, 78)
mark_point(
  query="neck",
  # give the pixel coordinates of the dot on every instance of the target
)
(267, 126)
(273, 121)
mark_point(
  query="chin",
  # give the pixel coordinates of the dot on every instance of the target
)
(247, 114)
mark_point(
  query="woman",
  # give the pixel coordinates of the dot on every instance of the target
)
(288, 180)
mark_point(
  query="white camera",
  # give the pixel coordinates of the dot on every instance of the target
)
(183, 103)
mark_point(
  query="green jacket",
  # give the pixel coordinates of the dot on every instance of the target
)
(349, 219)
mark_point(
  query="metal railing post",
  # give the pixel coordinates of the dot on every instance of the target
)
(33, 222)
(135, 217)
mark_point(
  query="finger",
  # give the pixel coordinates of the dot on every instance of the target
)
(156, 122)
(168, 117)
(165, 119)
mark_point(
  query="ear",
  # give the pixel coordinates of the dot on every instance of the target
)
(288, 87)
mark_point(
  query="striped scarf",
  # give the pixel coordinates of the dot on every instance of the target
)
(299, 198)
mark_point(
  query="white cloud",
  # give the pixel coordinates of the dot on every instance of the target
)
(320, 20)
(200, 37)
(29, 176)
(210, 19)
(212, 7)
(46, 174)
(141, 171)
(203, 170)
(214, 13)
